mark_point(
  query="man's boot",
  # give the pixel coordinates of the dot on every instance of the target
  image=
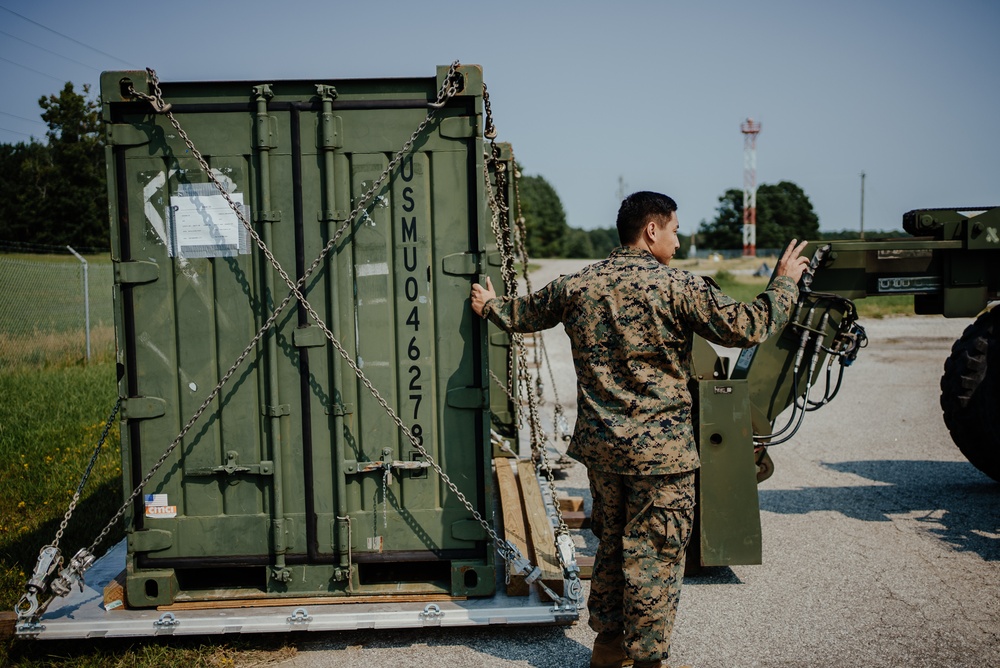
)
(609, 651)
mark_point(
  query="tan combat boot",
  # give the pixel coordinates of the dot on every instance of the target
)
(609, 651)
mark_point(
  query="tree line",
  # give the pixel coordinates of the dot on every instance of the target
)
(54, 193)
(784, 212)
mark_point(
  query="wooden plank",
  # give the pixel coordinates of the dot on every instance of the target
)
(543, 543)
(571, 504)
(586, 565)
(309, 600)
(513, 520)
(576, 519)
(114, 593)
(8, 620)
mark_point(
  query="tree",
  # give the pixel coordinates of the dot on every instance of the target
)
(545, 219)
(25, 176)
(578, 244)
(726, 231)
(603, 240)
(55, 193)
(76, 206)
(784, 212)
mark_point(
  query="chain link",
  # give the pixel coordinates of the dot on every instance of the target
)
(86, 474)
(500, 223)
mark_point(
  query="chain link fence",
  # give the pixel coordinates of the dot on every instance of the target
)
(55, 309)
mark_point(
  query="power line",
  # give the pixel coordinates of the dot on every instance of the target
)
(76, 41)
(37, 46)
(23, 118)
(25, 134)
(31, 70)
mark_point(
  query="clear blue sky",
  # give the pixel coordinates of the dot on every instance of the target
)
(652, 92)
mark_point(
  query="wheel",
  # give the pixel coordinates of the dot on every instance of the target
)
(970, 393)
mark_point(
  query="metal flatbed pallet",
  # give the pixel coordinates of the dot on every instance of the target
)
(82, 614)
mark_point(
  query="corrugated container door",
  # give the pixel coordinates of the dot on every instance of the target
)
(295, 479)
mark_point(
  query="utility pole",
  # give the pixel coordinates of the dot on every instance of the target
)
(750, 131)
(862, 206)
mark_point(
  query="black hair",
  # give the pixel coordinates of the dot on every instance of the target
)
(635, 211)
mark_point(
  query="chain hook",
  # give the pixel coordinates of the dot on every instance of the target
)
(156, 100)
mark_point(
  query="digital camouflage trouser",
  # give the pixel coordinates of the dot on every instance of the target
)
(643, 524)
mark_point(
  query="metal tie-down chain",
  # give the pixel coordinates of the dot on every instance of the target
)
(500, 223)
(84, 558)
(49, 557)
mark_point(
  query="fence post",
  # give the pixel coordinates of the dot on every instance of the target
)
(86, 297)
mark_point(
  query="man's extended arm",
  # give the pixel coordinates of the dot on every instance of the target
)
(720, 319)
(530, 313)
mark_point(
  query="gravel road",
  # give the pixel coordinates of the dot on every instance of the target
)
(881, 543)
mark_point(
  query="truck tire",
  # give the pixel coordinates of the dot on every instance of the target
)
(970, 393)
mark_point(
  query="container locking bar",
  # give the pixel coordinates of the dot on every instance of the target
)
(232, 467)
(353, 467)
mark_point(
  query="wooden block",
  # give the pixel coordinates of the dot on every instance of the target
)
(8, 620)
(586, 565)
(114, 593)
(576, 519)
(513, 521)
(571, 504)
(543, 543)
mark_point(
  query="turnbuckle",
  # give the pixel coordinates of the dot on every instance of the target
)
(73, 574)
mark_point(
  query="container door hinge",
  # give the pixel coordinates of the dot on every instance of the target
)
(459, 127)
(136, 272)
(149, 540)
(309, 336)
(278, 534)
(468, 397)
(128, 135)
(268, 216)
(340, 409)
(334, 216)
(276, 411)
(461, 264)
(142, 408)
(331, 131)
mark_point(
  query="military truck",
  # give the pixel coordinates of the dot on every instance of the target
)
(950, 265)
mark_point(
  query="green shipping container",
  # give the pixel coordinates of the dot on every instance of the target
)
(295, 481)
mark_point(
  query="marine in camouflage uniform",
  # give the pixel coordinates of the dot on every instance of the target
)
(631, 320)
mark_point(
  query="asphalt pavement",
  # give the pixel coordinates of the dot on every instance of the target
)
(881, 542)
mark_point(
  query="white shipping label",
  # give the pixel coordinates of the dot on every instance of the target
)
(204, 225)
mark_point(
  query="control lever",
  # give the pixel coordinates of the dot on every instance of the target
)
(810, 272)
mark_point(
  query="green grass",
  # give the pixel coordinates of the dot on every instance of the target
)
(50, 422)
(190, 652)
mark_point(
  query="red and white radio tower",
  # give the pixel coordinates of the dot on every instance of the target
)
(750, 131)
